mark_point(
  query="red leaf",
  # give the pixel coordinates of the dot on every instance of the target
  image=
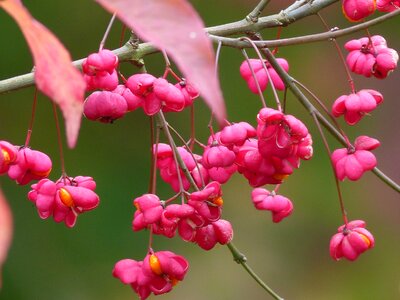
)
(6, 229)
(54, 74)
(173, 25)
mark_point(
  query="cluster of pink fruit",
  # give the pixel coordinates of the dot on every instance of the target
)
(368, 56)
(264, 155)
(23, 164)
(63, 200)
(199, 221)
(140, 90)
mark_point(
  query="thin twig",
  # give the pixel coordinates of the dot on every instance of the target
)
(240, 258)
(103, 41)
(306, 39)
(256, 12)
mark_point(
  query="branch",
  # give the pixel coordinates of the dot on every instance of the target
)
(312, 38)
(256, 12)
(134, 52)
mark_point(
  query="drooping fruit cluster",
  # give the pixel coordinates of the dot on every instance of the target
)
(370, 56)
(256, 66)
(351, 240)
(23, 164)
(113, 101)
(158, 273)
(64, 199)
(199, 221)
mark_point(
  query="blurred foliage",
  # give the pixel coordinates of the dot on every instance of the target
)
(49, 261)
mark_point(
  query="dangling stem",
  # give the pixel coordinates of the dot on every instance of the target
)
(266, 71)
(178, 159)
(217, 54)
(190, 152)
(29, 132)
(153, 156)
(150, 248)
(192, 139)
(342, 208)
(59, 140)
(168, 69)
(121, 39)
(322, 105)
(278, 36)
(103, 41)
(339, 51)
(240, 258)
(284, 100)
(277, 188)
(260, 93)
(370, 40)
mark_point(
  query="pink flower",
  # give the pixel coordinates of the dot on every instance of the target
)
(105, 106)
(356, 105)
(149, 210)
(208, 202)
(158, 273)
(261, 75)
(29, 165)
(353, 162)
(351, 240)
(8, 155)
(216, 232)
(280, 206)
(356, 10)
(387, 5)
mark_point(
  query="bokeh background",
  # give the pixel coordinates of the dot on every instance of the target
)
(49, 261)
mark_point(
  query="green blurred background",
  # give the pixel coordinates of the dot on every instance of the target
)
(49, 261)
